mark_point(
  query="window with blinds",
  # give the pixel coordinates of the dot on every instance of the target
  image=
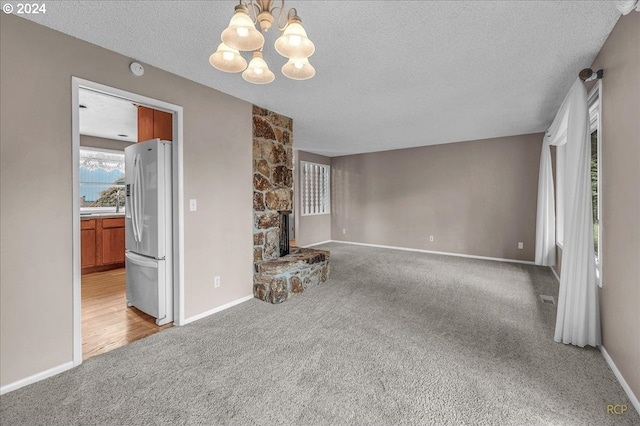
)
(315, 188)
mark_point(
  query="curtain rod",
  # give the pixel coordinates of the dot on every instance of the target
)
(588, 74)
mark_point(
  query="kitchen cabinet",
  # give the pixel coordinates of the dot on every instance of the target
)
(153, 124)
(162, 125)
(145, 124)
(88, 243)
(102, 244)
(112, 241)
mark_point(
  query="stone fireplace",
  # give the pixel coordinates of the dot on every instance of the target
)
(272, 180)
(285, 239)
(279, 271)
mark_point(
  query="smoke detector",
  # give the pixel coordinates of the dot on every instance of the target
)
(136, 68)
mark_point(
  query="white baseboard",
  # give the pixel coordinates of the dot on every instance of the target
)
(444, 253)
(623, 382)
(216, 310)
(68, 365)
(316, 244)
(555, 273)
(36, 377)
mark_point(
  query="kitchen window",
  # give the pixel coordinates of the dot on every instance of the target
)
(314, 182)
(101, 181)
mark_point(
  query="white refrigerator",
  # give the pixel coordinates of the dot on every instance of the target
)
(148, 228)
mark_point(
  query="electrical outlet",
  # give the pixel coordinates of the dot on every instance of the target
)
(430, 238)
(216, 281)
(344, 231)
(520, 245)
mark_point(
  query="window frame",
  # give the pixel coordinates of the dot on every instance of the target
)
(594, 105)
(305, 190)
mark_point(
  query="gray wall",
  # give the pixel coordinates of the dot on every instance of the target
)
(309, 229)
(476, 198)
(36, 181)
(620, 294)
(95, 142)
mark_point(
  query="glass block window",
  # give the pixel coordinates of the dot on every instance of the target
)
(315, 188)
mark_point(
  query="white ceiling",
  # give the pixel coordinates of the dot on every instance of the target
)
(107, 116)
(389, 74)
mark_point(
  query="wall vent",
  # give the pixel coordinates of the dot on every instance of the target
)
(548, 299)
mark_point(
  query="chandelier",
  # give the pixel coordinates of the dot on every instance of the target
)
(242, 34)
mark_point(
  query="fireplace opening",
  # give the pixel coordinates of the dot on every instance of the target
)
(284, 232)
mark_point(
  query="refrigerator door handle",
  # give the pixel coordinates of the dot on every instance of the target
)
(139, 200)
(140, 261)
(135, 198)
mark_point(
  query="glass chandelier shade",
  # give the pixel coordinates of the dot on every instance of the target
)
(294, 43)
(227, 59)
(258, 71)
(241, 34)
(252, 19)
(298, 69)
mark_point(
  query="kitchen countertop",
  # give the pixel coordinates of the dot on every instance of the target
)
(100, 215)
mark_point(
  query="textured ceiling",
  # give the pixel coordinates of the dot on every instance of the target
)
(390, 74)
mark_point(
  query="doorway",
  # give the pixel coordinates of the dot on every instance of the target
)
(100, 293)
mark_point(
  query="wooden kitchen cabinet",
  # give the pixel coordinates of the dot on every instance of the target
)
(103, 244)
(145, 123)
(153, 124)
(162, 125)
(88, 243)
(112, 241)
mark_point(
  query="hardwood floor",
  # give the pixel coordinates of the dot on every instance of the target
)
(107, 321)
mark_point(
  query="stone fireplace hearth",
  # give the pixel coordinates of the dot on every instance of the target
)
(276, 280)
(277, 277)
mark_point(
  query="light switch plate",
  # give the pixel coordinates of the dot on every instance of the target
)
(193, 205)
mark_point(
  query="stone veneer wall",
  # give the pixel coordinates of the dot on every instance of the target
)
(272, 179)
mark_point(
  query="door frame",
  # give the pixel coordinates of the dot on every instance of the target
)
(178, 203)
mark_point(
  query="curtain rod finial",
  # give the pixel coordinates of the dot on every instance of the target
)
(587, 74)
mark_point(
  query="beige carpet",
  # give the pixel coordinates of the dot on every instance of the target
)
(393, 338)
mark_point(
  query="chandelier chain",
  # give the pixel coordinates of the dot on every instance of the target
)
(255, 7)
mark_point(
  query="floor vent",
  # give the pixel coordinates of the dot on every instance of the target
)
(548, 299)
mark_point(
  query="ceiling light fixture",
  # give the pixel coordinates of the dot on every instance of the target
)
(242, 34)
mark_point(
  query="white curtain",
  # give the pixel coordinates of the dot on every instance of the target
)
(578, 317)
(546, 217)
(626, 6)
